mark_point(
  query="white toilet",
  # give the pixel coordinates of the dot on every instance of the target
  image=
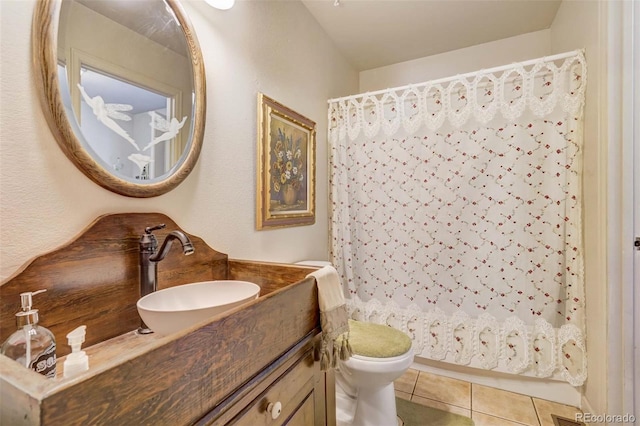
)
(365, 395)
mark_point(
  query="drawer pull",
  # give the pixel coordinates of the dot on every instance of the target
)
(274, 409)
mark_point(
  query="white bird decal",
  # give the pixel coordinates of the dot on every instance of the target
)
(170, 129)
(140, 160)
(105, 113)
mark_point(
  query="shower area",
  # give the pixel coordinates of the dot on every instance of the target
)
(456, 208)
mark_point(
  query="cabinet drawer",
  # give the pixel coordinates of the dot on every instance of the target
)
(294, 390)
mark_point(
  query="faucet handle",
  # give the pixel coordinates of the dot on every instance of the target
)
(149, 229)
(148, 242)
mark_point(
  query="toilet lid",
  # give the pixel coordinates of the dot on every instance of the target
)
(376, 340)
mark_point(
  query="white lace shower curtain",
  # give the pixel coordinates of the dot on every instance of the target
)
(456, 215)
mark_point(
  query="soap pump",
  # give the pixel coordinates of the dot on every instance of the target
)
(31, 345)
(77, 361)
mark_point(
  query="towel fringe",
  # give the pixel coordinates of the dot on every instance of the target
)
(345, 349)
(333, 350)
(325, 357)
(336, 355)
(324, 362)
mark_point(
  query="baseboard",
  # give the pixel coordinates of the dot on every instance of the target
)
(585, 405)
(550, 390)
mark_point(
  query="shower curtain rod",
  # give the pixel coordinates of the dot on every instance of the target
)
(457, 76)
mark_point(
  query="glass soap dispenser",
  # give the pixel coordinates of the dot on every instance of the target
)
(32, 345)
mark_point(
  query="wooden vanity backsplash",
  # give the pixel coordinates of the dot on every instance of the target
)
(94, 279)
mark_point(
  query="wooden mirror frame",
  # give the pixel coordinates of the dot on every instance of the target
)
(45, 63)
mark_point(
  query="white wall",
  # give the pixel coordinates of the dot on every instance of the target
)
(276, 48)
(474, 58)
(578, 24)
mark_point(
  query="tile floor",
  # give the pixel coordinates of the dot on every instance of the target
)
(485, 405)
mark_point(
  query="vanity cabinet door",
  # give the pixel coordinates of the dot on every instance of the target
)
(296, 397)
(304, 415)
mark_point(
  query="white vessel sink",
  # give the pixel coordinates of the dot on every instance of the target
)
(176, 308)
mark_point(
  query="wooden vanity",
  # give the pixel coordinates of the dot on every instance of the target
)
(231, 369)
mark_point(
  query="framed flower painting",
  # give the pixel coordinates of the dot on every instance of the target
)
(286, 166)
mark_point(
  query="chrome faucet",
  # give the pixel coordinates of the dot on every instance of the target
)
(150, 256)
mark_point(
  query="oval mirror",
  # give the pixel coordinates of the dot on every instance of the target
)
(123, 88)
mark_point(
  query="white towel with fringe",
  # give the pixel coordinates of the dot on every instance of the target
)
(334, 318)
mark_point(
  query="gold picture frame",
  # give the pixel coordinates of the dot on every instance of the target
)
(286, 166)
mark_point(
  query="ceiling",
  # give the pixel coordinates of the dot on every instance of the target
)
(375, 33)
(143, 17)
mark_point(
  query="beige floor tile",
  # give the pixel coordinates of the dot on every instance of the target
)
(503, 404)
(443, 389)
(407, 382)
(403, 395)
(481, 419)
(441, 406)
(546, 408)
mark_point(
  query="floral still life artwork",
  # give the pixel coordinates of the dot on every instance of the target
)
(288, 168)
(286, 154)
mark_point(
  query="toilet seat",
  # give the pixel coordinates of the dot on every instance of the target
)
(380, 360)
(377, 340)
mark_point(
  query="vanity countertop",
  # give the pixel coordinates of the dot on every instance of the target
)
(174, 379)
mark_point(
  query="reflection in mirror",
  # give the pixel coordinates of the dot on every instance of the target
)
(133, 102)
(128, 122)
